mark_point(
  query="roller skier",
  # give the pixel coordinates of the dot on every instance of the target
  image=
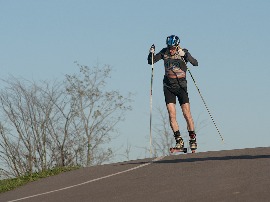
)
(175, 86)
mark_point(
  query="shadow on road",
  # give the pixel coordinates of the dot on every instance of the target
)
(222, 158)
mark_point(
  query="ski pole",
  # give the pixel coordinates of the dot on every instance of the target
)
(151, 100)
(206, 105)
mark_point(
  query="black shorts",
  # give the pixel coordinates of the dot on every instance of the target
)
(171, 92)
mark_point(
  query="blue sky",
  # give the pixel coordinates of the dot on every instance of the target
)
(40, 40)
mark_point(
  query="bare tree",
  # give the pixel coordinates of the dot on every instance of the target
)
(127, 151)
(37, 130)
(163, 138)
(59, 124)
(25, 111)
(49, 124)
(98, 110)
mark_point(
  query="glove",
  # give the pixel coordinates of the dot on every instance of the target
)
(152, 49)
(181, 52)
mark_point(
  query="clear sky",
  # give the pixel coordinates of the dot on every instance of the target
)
(40, 40)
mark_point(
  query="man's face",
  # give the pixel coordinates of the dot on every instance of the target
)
(172, 50)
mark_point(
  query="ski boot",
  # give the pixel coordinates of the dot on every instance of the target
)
(192, 142)
(179, 147)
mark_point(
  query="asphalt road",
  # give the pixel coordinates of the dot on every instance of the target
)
(233, 175)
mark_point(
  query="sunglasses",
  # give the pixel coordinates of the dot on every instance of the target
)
(172, 47)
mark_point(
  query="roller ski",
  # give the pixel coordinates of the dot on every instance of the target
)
(179, 147)
(174, 150)
(192, 142)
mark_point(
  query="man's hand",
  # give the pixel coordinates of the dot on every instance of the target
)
(181, 52)
(152, 49)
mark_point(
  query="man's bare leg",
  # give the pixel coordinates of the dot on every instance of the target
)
(174, 125)
(187, 115)
(190, 126)
(172, 117)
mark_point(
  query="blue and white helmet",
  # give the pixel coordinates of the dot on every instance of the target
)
(172, 40)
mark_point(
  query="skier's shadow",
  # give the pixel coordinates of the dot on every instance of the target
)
(221, 158)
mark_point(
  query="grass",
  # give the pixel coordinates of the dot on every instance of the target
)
(9, 184)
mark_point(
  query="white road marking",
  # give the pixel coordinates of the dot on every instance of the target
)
(87, 182)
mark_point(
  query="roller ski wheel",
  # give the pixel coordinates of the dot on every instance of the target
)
(174, 150)
(193, 151)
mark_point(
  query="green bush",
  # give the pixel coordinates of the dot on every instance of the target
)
(9, 184)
